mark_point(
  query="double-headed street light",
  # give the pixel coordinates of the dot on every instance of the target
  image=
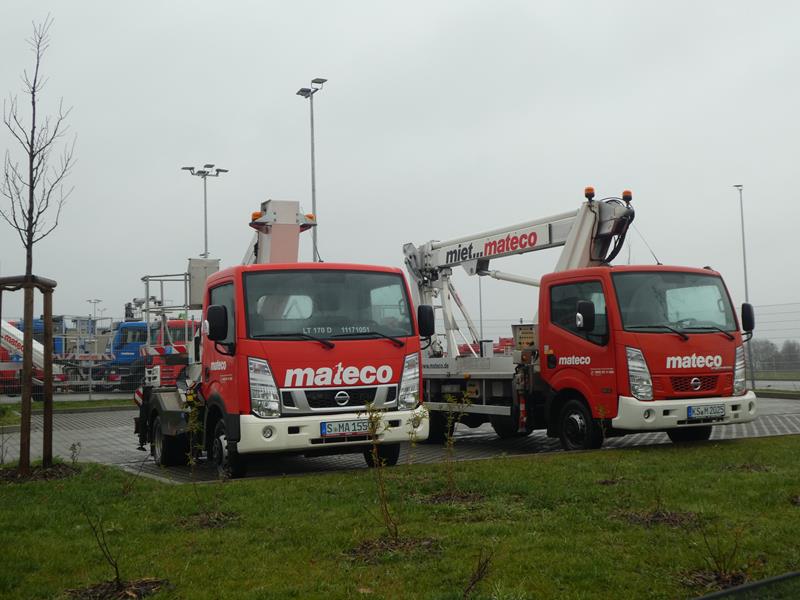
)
(208, 170)
(316, 85)
(94, 302)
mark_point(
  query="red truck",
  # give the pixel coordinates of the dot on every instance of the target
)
(292, 356)
(616, 349)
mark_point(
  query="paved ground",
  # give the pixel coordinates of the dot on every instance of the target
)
(107, 437)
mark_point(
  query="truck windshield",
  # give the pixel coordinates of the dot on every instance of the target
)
(351, 304)
(661, 301)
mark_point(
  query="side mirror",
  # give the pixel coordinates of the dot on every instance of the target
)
(748, 317)
(584, 319)
(217, 317)
(426, 320)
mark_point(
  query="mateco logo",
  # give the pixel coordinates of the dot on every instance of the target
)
(695, 361)
(338, 375)
(575, 360)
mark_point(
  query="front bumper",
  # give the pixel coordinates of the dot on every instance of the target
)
(669, 414)
(298, 434)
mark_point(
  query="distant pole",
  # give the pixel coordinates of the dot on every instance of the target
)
(746, 290)
(316, 85)
(480, 306)
(208, 170)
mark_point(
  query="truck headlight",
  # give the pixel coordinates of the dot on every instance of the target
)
(408, 397)
(264, 397)
(739, 382)
(639, 374)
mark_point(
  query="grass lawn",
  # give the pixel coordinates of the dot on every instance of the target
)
(9, 413)
(777, 375)
(552, 529)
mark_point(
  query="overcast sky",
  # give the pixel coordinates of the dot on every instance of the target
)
(439, 119)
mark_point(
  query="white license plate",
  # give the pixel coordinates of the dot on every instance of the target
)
(344, 428)
(708, 411)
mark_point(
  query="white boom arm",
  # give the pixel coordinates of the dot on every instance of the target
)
(591, 235)
(277, 239)
(11, 339)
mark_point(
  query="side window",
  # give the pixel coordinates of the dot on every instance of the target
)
(564, 306)
(223, 295)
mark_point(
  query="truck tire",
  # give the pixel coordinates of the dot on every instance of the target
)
(388, 454)
(506, 428)
(438, 432)
(230, 464)
(689, 434)
(167, 450)
(577, 429)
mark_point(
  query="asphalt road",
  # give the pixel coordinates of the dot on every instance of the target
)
(107, 437)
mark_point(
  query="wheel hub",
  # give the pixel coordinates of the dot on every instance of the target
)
(575, 428)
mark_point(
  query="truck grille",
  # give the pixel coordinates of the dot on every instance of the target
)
(327, 398)
(684, 384)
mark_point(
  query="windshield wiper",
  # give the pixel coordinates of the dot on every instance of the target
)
(727, 333)
(682, 335)
(323, 341)
(397, 341)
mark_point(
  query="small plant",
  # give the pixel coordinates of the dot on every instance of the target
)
(479, 572)
(721, 554)
(455, 410)
(413, 423)
(376, 426)
(74, 453)
(96, 525)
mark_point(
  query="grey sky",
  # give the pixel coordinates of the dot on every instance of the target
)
(439, 119)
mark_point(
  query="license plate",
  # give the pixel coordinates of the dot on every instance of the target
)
(708, 411)
(343, 428)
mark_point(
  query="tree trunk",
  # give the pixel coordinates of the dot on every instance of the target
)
(27, 385)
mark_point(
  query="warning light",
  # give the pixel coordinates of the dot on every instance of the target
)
(256, 215)
(627, 195)
(589, 193)
(311, 217)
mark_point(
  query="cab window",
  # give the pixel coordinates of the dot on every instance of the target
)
(564, 306)
(223, 296)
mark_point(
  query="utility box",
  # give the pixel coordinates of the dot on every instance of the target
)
(199, 270)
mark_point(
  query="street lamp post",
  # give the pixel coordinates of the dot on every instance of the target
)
(316, 85)
(740, 187)
(93, 339)
(207, 171)
(94, 302)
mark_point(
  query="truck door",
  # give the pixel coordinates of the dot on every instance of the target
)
(582, 360)
(218, 367)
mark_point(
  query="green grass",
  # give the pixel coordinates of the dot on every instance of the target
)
(777, 393)
(9, 413)
(777, 375)
(552, 529)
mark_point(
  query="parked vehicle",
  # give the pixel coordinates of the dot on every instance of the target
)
(616, 350)
(292, 356)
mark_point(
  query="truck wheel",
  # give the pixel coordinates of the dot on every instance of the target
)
(438, 432)
(229, 463)
(167, 450)
(387, 454)
(577, 429)
(689, 434)
(37, 393)
(506, 428)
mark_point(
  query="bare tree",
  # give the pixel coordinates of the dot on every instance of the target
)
(35, 195)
